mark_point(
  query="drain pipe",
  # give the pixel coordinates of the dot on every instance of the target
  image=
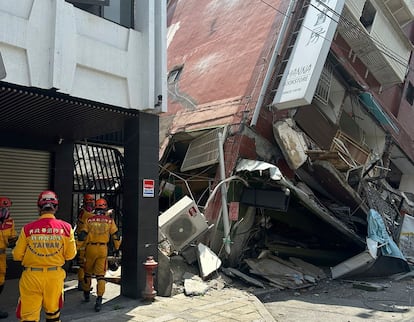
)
(225, 217)
(269, 72)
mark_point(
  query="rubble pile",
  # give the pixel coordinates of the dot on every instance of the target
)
(301, 218)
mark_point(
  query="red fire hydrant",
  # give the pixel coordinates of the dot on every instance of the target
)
(150, 265)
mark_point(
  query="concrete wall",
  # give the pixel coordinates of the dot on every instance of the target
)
(53, 45)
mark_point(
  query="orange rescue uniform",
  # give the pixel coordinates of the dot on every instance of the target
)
(99, 230)
(80, 225)
(7, 235)
(43, 247)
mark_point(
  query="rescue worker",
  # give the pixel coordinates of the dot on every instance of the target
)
(98, 232)
(43, 247)
(85, 212)
(8, 239)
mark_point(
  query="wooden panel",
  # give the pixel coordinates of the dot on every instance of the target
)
(332, 156)
(357, 153)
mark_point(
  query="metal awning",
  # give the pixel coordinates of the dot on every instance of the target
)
(51, 115)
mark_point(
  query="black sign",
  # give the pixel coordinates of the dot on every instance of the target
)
(95, 2)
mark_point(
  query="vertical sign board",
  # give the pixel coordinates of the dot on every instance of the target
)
(148, 187)
(306, 62)
(3, 73)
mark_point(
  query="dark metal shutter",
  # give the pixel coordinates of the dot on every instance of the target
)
(23, 175)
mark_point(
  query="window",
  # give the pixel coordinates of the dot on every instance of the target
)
(174, 75)
(368, 15)
(118, 11)
(409, 94)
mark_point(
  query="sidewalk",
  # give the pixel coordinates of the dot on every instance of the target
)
(228, 304)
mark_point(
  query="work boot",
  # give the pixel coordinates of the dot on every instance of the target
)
(86, 296)
(80, 286)
(98, 304)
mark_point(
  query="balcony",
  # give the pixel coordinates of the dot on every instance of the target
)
(376, 38)
(401, 10)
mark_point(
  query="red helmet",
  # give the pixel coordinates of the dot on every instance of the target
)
(88, 198)
(5, 202)
(47, 199)
(101, 204)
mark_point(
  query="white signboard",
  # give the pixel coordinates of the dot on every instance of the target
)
(305, 64)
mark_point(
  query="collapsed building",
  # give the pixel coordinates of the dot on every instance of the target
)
(289, 123)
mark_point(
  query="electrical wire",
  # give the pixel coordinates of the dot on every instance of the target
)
(397, 58)
(361, 31)
(181, 178)
(382, 48)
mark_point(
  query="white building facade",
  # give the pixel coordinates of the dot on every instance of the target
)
(73, 71)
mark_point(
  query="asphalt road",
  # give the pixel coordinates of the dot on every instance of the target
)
(343, 301)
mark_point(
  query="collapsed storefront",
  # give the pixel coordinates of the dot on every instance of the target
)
(310, 199)
(331, 122)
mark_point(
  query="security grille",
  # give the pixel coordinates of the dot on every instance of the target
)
(98, 170)
(323, 88)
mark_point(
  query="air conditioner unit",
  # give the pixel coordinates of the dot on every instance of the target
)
(182, 223)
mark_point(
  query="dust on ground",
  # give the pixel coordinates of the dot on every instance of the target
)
(343, 300)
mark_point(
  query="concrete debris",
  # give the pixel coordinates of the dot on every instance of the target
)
(295, 222)
(190, 254)
(208, 262)
(291, 141)
(219, 281)
(278, 273)
(194, 285)
(354, 265)
(400, 276)
(315, 271)
(373, 287)
(236, 273)
(164, 276)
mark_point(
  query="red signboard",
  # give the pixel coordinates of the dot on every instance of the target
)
(148, 188)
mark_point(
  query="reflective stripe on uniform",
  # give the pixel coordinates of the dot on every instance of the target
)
(41, 269)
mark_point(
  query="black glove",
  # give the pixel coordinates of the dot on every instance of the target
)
(11, 242)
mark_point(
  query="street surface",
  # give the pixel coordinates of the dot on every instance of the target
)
(340, 301)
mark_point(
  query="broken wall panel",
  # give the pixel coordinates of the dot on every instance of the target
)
(316, 125)
(292, 143)
(327, 179)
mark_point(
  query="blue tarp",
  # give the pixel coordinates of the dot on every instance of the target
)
(378, 233)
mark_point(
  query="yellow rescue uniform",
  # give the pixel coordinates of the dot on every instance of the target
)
(98, 230)
(43, 247)
(7, 234)
(80, 226)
